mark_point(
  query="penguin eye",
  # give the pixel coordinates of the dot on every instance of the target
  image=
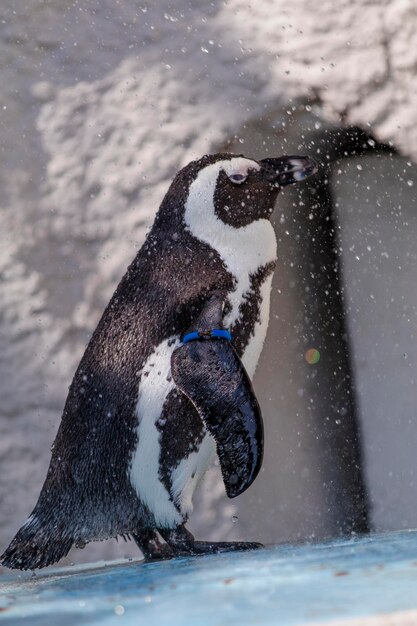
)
(238, 179)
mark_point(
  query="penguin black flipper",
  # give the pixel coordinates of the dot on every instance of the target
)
(210, 373)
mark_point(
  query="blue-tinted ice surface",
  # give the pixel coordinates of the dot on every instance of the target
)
(275, 586)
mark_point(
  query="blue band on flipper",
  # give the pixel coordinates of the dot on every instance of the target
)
(223, 334)
(216, 333)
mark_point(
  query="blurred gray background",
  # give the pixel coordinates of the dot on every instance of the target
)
(101, 103)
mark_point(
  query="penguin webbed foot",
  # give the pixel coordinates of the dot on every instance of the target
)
(151, 547)
(182, 543)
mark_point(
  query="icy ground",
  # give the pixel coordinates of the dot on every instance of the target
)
(369, 581)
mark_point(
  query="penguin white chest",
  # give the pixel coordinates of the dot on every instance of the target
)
(155, 385)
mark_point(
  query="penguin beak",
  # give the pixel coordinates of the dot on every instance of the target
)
(286, 170)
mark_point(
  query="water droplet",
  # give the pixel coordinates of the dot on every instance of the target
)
(119, 609)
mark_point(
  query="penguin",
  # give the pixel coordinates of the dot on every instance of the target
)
(164, 385)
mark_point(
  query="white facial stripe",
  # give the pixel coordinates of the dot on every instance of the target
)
(242, 250)
(239, 165)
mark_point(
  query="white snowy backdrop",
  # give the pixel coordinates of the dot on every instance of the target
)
(100, 103)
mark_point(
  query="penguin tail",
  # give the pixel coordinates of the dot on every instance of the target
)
(36, 545)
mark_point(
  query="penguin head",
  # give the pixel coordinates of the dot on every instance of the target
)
(238, 190)
(247, 190)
